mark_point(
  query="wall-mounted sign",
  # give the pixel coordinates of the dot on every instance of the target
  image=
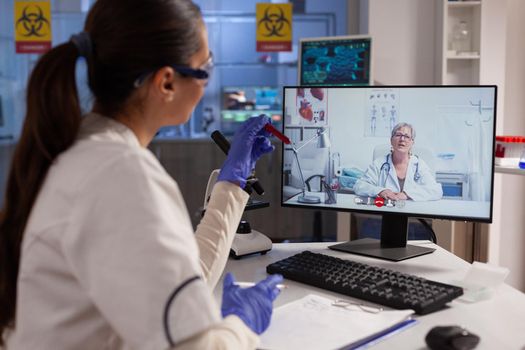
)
(274, 27)
(32, 26)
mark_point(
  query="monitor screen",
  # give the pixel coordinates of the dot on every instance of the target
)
(421, 151)
(242, 102)
(343, 60)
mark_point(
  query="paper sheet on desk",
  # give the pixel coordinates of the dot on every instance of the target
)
(313, 323)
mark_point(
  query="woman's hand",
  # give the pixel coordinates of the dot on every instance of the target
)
(250, 142)
(252, 305)
(388, 194)
(402, 196)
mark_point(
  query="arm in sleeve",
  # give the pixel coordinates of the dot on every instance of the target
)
(367, 185)
(232, 333)
(131, 245)
(426, 188)
(217, 228)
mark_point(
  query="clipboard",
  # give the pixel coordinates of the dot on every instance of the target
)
(313, 322)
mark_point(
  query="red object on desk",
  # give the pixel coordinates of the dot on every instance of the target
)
(379, 201)
(270, 128)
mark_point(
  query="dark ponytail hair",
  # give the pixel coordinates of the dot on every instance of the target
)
(129, 38)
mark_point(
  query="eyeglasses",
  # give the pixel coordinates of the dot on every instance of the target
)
(202, 73)
(399, 135)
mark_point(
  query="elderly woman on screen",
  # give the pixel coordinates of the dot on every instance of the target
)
(400, 175)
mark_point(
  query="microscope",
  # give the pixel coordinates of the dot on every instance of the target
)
(246, 241)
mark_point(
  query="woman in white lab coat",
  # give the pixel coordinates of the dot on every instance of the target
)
(97, 250)
(399, 175)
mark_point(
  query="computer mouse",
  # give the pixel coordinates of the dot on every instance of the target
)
(451, 338)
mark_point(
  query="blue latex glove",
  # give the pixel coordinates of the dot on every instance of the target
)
(253, 305)
(250, 142)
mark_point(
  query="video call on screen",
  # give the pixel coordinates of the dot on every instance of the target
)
(454, 136)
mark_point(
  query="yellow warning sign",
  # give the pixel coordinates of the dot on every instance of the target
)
(274, 26)
(32, 26)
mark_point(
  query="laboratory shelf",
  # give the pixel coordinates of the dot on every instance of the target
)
(463, 57)
(463, 3)
(509, 170)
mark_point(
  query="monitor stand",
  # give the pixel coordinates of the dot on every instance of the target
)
(393, 245)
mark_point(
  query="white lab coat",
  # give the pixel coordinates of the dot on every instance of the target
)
(376, 180)
(109, 240)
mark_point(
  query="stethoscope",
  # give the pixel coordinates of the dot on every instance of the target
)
(386, 167)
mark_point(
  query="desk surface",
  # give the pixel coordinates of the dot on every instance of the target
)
(499, 321)
(444, 207)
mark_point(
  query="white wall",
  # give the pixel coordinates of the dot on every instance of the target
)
(511, 223)
(403, 41)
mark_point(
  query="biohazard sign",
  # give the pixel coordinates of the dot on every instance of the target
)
(32, 26)
(274, 27)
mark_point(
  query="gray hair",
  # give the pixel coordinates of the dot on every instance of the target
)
(402, 125)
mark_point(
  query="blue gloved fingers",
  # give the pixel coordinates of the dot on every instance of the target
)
(244, 151)
(259, 123)
(261, 146)
(264, 144)
(229, 280)
(264, 132)
(252, 305)
(269, 284)
(253, 126)
(273, 280)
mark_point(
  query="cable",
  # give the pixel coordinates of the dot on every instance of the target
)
(433, 237)
(298, 193)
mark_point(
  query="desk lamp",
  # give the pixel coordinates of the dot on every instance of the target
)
(323, 141)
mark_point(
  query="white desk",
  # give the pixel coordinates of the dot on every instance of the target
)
(445, 207)
(499, 321)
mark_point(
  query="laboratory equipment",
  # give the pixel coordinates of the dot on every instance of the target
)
(376, 284)
(510, 151)
(271, 129)
(242, 102)
(246, 241)
(337, 60)
(324, 142)
(461, 38)
(446, 123)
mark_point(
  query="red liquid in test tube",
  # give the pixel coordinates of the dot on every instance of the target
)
(270, 128)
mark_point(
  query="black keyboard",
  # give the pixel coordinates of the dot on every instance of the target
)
(375, 284)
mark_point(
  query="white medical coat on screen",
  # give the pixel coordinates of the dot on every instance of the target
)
(108, 241)
(377, 179)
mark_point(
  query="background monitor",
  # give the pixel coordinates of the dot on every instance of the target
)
(239, 103)
(341, 152)
(338, 60)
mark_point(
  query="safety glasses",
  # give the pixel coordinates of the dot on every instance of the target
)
(202, 73)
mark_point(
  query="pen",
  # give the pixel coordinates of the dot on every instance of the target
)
(270, 128)
(251, 284)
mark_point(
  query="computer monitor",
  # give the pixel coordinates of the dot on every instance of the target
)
(398, 151)
(242, 102)
(338, 60)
